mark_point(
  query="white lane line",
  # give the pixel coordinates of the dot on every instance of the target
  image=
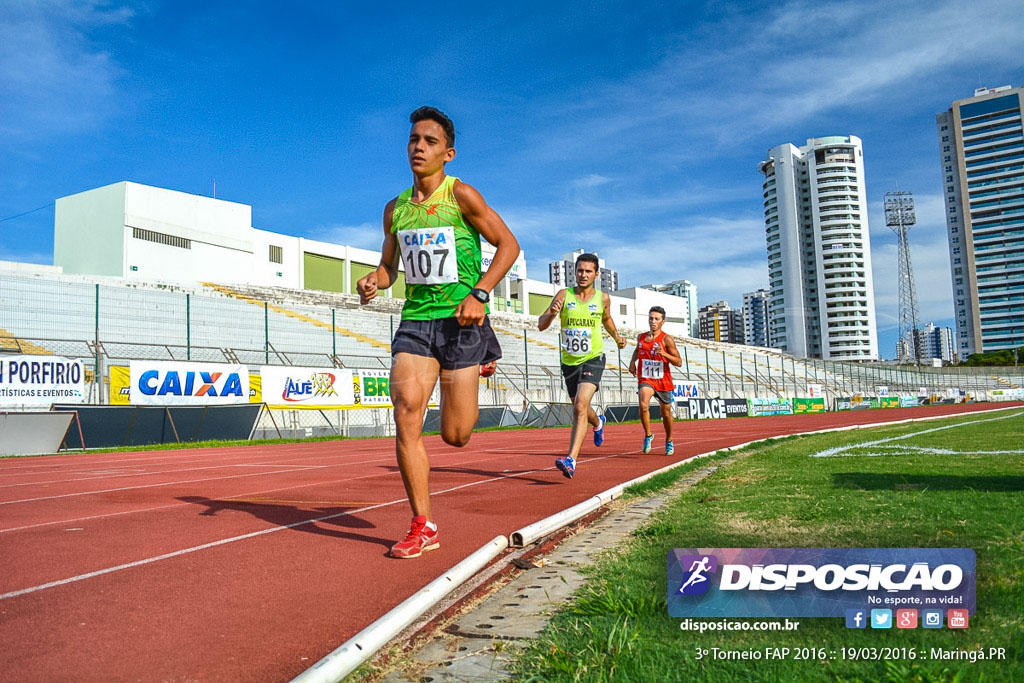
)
(843, 450)
(254, 534)
(147, 486)
(100, 476)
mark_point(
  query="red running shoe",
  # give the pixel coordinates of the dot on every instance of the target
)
(419, 539)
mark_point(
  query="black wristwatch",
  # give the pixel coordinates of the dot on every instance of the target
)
(481, 295)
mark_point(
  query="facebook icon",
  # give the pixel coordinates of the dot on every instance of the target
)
(856, 618)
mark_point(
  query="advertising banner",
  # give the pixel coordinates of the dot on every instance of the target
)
(808, 405)
(683, 392)
(121, 384)
(757, 407)
(308, 388)
(815, 391)
(883, 391)
(41, 380)
(174, 383)
(716, 408)
(857, 402)
(888, 401)
(372, 388)
(818, 582)
(909, 401)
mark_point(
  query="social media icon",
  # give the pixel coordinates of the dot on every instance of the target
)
(856, 618)
(957, 618)
(931, 618)
(906, 618)
(881, 618)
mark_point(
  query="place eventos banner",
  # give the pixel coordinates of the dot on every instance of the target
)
(816, 582)
(716, 408)
(312, 388)
(161, 383)
(41, 380)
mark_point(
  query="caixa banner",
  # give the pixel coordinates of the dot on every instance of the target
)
(817, 582)
(163, 383)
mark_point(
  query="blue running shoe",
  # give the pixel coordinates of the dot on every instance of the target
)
(647, 443)
(670, 448)
(567, 465)
(599, 432)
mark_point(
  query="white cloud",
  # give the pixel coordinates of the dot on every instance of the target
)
(52, 78)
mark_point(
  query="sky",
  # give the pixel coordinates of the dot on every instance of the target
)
(630, 130)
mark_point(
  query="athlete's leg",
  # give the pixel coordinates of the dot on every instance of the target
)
(581, 409)
(412, 381)
(646, 392)
(459, 404)
(666, 419)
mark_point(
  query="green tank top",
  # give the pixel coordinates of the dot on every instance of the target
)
(440, 252)
(581, 337)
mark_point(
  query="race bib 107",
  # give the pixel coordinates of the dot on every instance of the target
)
(429, 255)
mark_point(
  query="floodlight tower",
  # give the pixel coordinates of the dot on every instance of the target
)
(899, 216)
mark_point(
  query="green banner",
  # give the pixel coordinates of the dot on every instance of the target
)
(808, 405)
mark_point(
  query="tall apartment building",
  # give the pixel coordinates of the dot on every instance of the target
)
(935, 342)
(563, 272)
(755, 318)
(981, 143)
(718, 322)
(686, 290)
(822, 299)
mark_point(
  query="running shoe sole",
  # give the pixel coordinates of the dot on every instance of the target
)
(567, 472)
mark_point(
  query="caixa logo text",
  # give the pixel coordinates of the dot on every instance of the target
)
(173, 383)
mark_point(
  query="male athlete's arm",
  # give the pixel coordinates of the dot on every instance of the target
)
(609, 322)
(387, 271)
(548, 316)
(489, 224)
(635, 356)
(670, 352)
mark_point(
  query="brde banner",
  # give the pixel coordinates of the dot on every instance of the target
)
(162, 383)
(41, 381)
(311, 388)
(818, 582)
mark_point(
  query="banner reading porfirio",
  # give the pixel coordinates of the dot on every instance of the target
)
(311, 388)
(170, 383)
(816, 582)
(41, 381)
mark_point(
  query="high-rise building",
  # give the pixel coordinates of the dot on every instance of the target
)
(822, 299)
(934, 342)
(981, 143)
(755, 318)
(563, 272)
(718, 322)
(688, 291)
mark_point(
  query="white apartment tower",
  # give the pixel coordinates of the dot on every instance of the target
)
(821, 295)
(755, 318)
(981, 145)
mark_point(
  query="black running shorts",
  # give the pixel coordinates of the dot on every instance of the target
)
(589, 371)
(452, 345)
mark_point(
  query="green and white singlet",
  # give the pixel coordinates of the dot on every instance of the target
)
(440, 251)
(580, 338)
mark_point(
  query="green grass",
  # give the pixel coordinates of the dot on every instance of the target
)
(617, 627)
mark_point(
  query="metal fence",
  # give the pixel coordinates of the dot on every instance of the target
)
(106, 321)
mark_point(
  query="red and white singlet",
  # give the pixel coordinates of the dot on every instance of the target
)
(654, 369)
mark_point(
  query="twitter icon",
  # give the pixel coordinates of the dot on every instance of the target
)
(881, 618)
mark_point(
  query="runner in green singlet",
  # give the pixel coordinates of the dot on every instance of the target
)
(582, 311)
(435, 227)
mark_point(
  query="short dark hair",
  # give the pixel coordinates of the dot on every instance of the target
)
(589, 258)
(433, 114)
(657, 309)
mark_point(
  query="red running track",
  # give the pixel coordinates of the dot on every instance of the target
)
(251, 563)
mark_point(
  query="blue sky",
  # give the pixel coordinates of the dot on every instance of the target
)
(631, 130)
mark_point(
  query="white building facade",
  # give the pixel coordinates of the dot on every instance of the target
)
(821, 293)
